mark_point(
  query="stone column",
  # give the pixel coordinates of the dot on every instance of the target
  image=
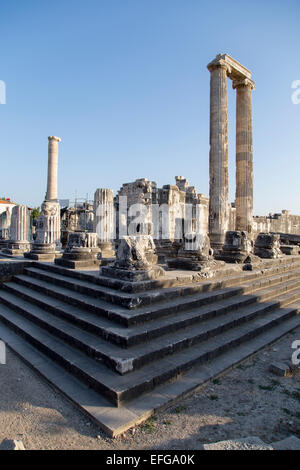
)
(51, 194)
(244, 156)
(218, 156)
(104, 220)
(5, 221)
(20, 231)
(47, 245)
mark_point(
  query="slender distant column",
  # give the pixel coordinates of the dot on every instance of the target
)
(51, 194)
(244, 156)
(218, 156)
(104, 220)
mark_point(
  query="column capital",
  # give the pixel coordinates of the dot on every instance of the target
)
(243, 82)
(219, 61)
(53, 137)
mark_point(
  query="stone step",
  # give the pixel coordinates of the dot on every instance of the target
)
(127, 337)
(115, 421)
(124, 361)
(90, 322)
(129, 301)
(149, 297)
(121, 315)
(143, 314)
(182, 278)
(120, 389)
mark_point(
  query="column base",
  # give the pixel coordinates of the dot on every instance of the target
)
(43, 252)
(77, 264)
(17, 248)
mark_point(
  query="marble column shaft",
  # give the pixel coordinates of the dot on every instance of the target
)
(244, 156)
(20, 225)
(104, 214)
(218, 156)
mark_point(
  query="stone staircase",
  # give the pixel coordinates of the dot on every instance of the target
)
(124, 340)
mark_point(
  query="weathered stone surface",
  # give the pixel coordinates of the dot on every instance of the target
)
(195, 254)
(280, 369)
(247, 443)
(9, 444)
(136, 252)
(135, 260)
(10, 269)
(237, 247)
(267, 245)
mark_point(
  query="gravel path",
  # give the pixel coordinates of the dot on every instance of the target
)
(248, 401)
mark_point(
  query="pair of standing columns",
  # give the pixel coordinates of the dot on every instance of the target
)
(218, 158)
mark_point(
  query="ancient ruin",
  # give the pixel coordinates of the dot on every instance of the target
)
(157, 290)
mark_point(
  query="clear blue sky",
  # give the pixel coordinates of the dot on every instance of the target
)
(124, 84)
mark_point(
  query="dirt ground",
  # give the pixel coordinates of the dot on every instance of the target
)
(247, 401)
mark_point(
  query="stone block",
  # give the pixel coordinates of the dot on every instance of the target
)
(267, 245)
(290, 249)
(237, 247)
(280, 368)
(9, 444)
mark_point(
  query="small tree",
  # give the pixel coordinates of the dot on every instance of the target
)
(35, 213)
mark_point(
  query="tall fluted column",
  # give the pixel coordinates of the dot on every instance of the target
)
(218, 155)
(244, 156)
(51, 194)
